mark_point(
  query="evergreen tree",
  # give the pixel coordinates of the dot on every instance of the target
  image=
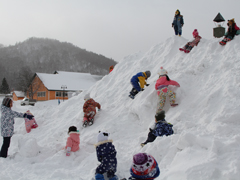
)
(4, 89)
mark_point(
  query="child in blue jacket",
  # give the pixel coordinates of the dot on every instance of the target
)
(178, 23)
(162, 127)
(139, 78)
(106, 154)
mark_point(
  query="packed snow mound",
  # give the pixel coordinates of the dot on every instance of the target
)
(205, 143)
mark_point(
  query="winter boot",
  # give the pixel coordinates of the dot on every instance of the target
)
(181, 49)
(131, 96)
(90, 122)
(142, 144)
(85, 123)
(173, 105)
(222, 43)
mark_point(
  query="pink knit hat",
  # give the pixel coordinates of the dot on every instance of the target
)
(195, 33)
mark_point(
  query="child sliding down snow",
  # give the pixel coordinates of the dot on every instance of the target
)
(161, 128)
(139, 78)
(73, 140)
(106, 155)
(89, 109)
(163, 91)
(30, 124)
(188, 47)
(232, 31)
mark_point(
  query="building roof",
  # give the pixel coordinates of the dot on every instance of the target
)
(19, 93)
(72, 80)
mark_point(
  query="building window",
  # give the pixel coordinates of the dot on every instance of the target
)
(60, 94)
(41, 94)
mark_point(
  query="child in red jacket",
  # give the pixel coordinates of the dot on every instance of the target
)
(163, 91)
(188, 47)
(89, 109)
(73, 140)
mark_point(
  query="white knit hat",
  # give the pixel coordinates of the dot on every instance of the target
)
(87, 96)
(162, 71)
(102, 136)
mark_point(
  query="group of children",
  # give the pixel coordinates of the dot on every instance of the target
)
(178, 23)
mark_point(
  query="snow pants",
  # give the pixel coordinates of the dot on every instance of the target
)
(5, 146)
(151, 138)
(162, 95)
(89, 113)
(106, 166)
(178, 29)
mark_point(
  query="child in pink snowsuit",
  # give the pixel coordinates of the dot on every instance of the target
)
(188, 47)
(89, 109)
(163, 91)
(30, 124)
(73, 140)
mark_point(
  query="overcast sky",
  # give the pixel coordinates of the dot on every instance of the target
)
(113, 28)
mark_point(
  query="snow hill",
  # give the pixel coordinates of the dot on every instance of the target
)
(206, 142)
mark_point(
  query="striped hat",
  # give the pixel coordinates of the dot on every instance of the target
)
(6, 101)
(144, 167)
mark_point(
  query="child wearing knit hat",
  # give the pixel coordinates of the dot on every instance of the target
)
(188, 47)
(161, 128)
(106, 155)
(144, 166)
(163, 91)
(139, 78)
(73, 140)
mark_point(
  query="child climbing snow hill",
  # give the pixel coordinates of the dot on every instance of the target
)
(73, 140)
(106, 155)
(30, 124)
(163, 91)
(89, 109)
(232, 31)
(188, 47)
(177, 23)
(161, 128)
(139, 78)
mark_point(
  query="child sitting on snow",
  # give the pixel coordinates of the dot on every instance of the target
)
(73, 140)
(161, 128)
(139, 78)
(89, 109)
(144, 166)
(162, 89)
(30, 124)
(188, 47)
(233, 30)
(106, 155)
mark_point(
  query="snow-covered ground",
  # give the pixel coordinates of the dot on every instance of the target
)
(206, 142)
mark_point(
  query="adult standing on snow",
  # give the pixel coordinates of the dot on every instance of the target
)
(7, 123)
(178, 23)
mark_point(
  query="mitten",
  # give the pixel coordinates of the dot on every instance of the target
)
(28, 116)
(150, 130)
(147, 84)
(68, 151)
